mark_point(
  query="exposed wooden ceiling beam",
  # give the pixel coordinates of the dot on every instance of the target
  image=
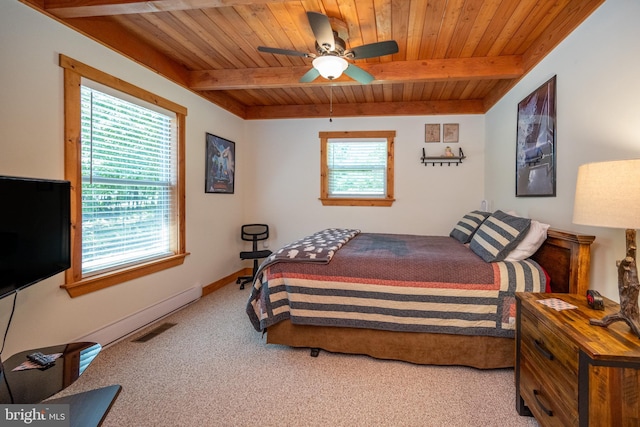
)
(571, 17)
(501, 67)
(85, 8)
(95, 18)
(118, 38)
(366, 109)
(224, 101)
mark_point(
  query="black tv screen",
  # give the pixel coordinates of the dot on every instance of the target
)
(35, 225)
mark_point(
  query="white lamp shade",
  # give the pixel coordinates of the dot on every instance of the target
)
(330, 67)
(608, 194)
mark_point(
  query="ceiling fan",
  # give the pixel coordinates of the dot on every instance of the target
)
(331, 58)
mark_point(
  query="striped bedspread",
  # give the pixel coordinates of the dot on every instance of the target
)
(397, 283)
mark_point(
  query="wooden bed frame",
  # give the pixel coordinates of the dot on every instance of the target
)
(565, 256)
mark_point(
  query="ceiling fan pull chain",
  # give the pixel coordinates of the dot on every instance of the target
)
(330, 104)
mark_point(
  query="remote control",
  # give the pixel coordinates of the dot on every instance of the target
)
(40, 359)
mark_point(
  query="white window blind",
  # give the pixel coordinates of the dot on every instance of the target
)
(128, 182)
(357, 168)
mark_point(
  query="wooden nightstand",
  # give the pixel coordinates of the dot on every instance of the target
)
(571, 373)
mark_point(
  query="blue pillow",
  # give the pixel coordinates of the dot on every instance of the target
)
(498, 235)
(467, 226)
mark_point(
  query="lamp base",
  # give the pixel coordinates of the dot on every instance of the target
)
(629, 289)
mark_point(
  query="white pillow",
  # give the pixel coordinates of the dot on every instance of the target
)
(535, 237)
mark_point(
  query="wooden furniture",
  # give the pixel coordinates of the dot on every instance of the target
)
(565, 257)
(571, 373)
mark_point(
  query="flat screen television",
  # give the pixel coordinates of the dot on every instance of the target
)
(35, 225)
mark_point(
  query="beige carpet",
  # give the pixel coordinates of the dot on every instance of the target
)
(214, 369)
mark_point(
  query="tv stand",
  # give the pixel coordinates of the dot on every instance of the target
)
(33, 386)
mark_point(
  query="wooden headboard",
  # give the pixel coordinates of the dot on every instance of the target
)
(566, 257)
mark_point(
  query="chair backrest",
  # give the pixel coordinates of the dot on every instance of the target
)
(255, 232)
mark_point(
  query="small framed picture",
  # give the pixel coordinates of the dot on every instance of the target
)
(450, 132)
(432, 132)
(219, 165)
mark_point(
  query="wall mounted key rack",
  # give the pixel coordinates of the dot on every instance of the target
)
(442, 160)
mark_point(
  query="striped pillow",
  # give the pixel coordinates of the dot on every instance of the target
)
(498, 235)
(464, 229)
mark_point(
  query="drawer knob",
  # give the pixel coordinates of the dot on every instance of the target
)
(542, 406)
(540, 347)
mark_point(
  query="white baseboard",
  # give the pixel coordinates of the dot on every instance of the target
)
(120, 329)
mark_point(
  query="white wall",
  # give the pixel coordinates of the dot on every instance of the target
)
(429, 200)
(598, 118)
(31, 144)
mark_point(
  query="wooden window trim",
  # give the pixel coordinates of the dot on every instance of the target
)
(326, 200)
(75, 284)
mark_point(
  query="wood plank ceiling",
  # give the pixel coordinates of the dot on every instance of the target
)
(455, 56)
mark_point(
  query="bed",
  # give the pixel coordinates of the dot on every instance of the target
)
(282, 305)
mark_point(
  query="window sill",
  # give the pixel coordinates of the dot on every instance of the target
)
(102, 281)
(356, 202)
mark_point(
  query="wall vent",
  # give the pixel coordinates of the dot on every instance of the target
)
(155, 332)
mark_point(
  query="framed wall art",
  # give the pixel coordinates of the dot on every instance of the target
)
(536, 143)
(220, 165)
(450, 132)
(432, 132)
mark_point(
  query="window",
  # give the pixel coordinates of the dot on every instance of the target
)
(356, 168)
(128, 181)
(127, 177)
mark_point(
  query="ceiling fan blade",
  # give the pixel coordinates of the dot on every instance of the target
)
(322, 30)
(358, 74)
(284, 51)
(310, 76)
(372, 50)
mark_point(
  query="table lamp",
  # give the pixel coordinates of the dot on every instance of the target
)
(608, 195)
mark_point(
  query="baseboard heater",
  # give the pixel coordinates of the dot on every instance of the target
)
(121, 329)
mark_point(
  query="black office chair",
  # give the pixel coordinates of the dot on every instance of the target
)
(253, 233)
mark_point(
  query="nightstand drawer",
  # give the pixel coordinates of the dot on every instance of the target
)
(557, 379)
(556, 351)
(544, 401)
(548, 372)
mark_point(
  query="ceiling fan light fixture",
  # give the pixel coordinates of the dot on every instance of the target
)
(330, 67)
